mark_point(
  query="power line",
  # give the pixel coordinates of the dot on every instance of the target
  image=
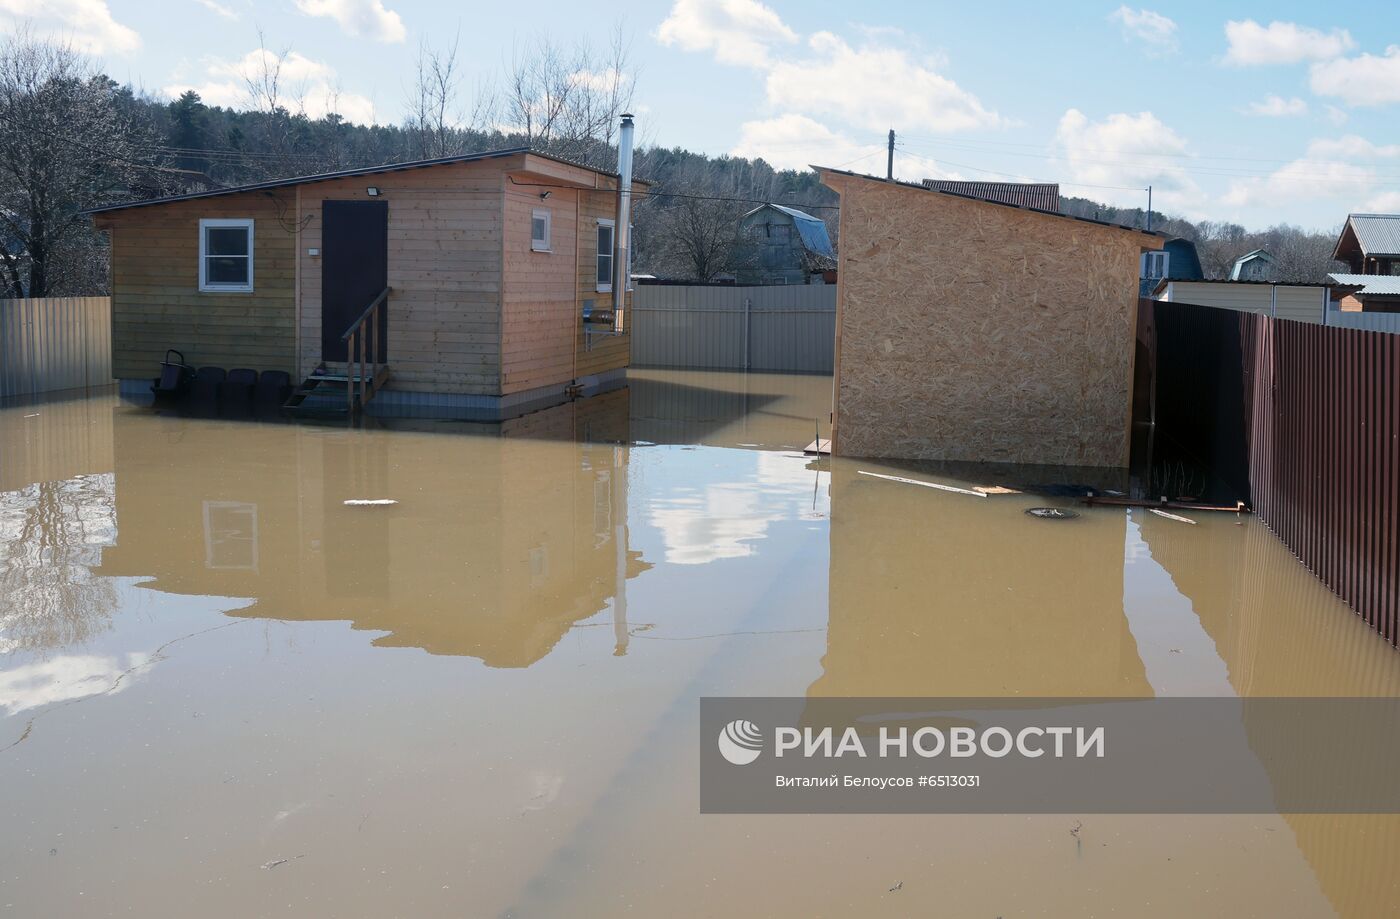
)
(665, 194)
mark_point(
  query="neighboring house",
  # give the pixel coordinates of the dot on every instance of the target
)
(1302, 302)
(1254, 266)
(1043, 196)
(490, 261)
(1366, 293)
(1370, 244)
(782, 245)
(969, 329)
(1176, 260)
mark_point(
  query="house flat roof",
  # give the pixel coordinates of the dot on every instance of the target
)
(1375, 285)
(1154, 234)
(344, 174)
(1239, 282)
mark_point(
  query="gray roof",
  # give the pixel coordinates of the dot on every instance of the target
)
(347, 173)
(1378, 234)
(811, 230)
(1043, 196)
(1375, 285)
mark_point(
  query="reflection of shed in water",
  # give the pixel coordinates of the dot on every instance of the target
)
(502, 540)
(945, 595)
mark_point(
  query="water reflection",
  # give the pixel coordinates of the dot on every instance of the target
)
(604, 586)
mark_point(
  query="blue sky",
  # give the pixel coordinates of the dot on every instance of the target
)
(1252, 112)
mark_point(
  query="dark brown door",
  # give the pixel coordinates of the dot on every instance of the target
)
(354, 269)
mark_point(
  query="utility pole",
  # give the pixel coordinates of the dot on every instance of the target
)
(889, 163)
(1149, 208)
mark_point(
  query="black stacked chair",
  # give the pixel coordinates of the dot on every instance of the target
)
(274, 386)
(204, 391)
(236, 391)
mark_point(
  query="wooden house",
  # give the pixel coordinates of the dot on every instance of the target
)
(481, 270)
(1370, 244)
(782, 245)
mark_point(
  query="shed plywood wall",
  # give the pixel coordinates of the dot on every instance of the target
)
(444, 268)
(157, 303)
(975, 331)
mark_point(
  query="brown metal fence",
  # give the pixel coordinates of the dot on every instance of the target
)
(1320, 433)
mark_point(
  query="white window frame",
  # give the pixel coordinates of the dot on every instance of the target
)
(1149, 257)
(545, 214)
(604, 288)
(223, 223)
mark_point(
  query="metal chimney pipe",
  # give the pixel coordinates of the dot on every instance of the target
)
(622, 234)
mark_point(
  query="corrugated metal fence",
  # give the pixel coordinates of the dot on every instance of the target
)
(1320, 415)
(54, 343)
(779, 328)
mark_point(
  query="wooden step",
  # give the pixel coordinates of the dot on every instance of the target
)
(322, 395)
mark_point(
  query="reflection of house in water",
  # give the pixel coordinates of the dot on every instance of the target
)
(936, 595)
(502, 540)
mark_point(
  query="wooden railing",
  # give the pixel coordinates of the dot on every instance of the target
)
(361, 340)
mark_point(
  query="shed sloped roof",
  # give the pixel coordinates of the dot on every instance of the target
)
(1044, 196)
(1376, 285)
(811, 230)
(1377, 234)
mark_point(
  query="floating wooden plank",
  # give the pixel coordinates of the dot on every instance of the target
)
(938, 485)
(369, 502)
(1177, 517)
(819, 447)
(1237, 508)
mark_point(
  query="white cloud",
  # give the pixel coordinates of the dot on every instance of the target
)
(1350, 146)
(740, 32)
(874, 87)
(219, 9)
(1362, 80)
(87, 24)
(1384, 203)
(1302, 180)
(1278, 107)
(1153, 29)
(309, 86)
(1336, 115)
(1252, 44)
(361, 18)
(1132, 152)
(796, 142)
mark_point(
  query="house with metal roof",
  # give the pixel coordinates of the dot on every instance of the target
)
(475, 286)
(782, 245)
(1367, 293)
(1370, 244)
(1257, 265)
(1043, 196)
(1177, 260)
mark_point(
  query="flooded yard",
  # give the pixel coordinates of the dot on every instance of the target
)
(221, 685)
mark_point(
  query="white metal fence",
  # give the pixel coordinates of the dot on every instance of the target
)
(54, 343)
(1373, 322)
(781, 328)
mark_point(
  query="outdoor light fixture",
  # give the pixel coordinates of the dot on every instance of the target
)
(372, 191)
(545, 194)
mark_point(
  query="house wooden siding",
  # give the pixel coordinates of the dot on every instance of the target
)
(969, 330)
(472, 309)
(156, 301)
(445, 229)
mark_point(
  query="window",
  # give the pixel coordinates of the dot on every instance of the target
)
(539, 229)
(1154, 264)
(605, 254)
(226, 255)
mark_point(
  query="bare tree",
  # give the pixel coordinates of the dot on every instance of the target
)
(697, 233)
(69, 140)
(434, 119)
(569, 101)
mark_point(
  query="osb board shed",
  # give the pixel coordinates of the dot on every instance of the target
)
(975, 331)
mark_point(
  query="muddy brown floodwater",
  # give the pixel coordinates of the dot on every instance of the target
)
(223, 692)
